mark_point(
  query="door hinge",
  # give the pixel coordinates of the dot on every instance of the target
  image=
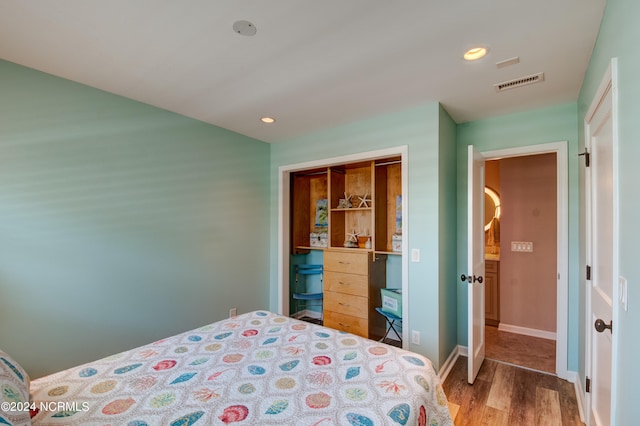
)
(588, 273)
(587, 157)
(588, 385)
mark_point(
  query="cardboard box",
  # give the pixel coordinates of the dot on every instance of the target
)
(318, 239)
(396, 241)
(392, 301)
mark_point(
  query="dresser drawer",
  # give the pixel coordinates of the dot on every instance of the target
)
(357, 306)
(347, 323)
(346, 283)
(342, 261)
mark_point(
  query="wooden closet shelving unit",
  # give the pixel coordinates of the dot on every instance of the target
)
(351, 287)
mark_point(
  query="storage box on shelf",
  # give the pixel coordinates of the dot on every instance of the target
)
(392, 301)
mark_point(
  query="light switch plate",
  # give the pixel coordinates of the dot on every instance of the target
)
(622, 282)
(522, 246)
(415, 255)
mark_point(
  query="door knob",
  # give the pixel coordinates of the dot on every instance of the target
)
(602, 326)
(469, 278)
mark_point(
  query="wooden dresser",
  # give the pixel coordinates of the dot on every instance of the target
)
(352, 283)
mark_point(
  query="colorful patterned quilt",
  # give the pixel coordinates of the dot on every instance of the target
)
(255, 369)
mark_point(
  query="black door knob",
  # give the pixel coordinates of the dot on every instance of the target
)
(470, 279)
(602, 326)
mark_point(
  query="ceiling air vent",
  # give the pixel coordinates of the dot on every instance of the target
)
(519, 82)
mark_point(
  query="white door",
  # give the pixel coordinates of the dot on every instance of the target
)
(475, 266)
(602, 242)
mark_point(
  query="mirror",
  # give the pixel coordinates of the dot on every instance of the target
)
(491, 206)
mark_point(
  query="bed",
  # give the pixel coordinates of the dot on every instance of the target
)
(258, 368)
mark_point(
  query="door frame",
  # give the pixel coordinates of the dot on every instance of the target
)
(562, 230)
(608, 84)
(284, 221)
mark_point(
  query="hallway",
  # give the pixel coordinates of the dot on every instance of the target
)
(518, 349)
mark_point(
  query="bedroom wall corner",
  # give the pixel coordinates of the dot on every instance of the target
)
(447, 237)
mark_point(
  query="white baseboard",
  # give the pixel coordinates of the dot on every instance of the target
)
(527, 331)
(446, 368)
(580, 394)
(463, 350)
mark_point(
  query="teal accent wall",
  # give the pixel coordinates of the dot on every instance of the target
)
(419, 129)
(618, 37)
(120, 223)
(447, 235)
(554, 124)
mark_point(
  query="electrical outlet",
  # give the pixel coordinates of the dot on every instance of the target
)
(233, 312)
(415, 255)
(415, 337)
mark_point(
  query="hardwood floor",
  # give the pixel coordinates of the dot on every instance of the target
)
(526, 351)
(504, 394)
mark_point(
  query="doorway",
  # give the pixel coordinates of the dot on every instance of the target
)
(521, 211)
(521, 246)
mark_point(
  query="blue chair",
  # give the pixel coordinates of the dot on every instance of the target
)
(302, 295)
(391, 321)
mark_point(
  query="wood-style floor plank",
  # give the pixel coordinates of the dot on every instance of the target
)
(501, 388)
(548, 407)
(473, 409)
(494, 417)
(508, 395)
(525, 351)
(523, 400)
(568, 405)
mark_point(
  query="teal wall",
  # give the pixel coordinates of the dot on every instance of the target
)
(447, 235)
(120, 223)
(618, 37)
(545, 125)
(417, 128)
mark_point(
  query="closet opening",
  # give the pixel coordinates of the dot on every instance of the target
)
(344, 218)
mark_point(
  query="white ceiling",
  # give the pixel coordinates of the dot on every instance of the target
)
(312, 64)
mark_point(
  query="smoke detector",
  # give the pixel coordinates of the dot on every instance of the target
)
(519, 82)
(245, 28)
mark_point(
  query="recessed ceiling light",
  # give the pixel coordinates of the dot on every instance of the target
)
(475, 53)
(268, 120)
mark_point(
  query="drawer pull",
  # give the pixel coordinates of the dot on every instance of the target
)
(343, 283)
(344, 325)
(344, 263)
(343, 304)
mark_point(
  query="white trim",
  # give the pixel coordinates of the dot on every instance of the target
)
(562, 179)
(447, 366)
(609, 83)
(284, 173)
(616, 239)
(464, 351)
(577, 387)
(543, 334)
